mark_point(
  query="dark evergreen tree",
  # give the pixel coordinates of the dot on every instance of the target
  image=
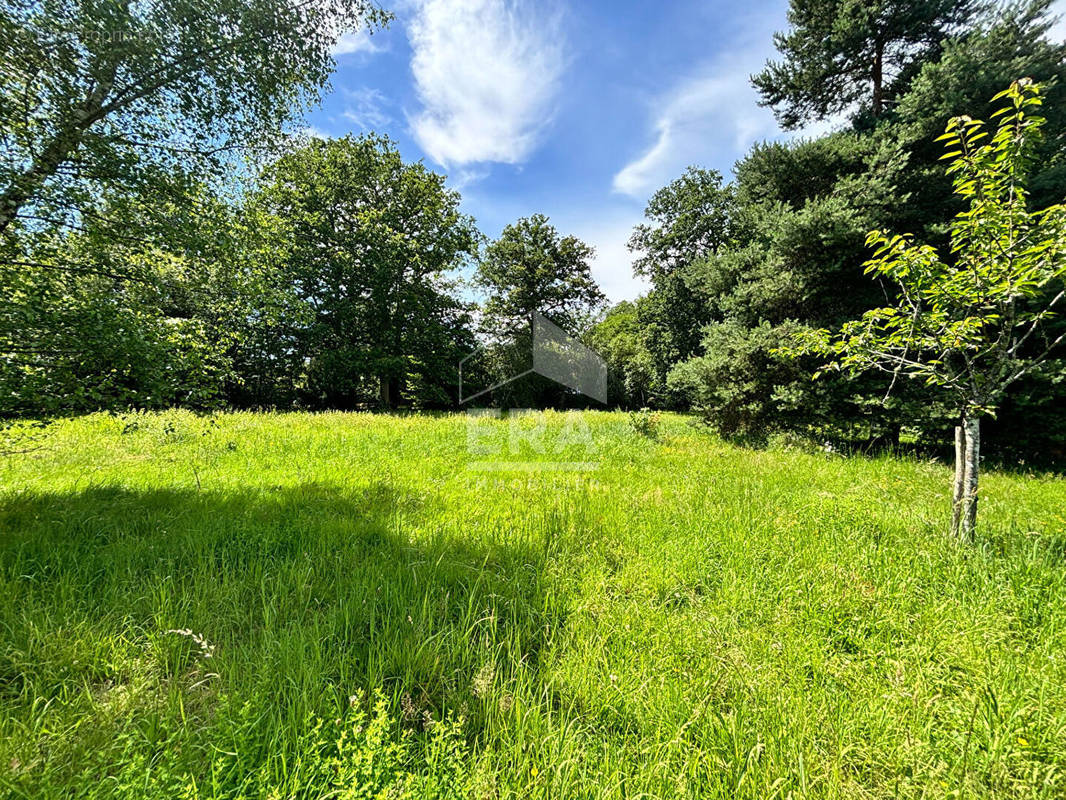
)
(798, 243)
(844, 53)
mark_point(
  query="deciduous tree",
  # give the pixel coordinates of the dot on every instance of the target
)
(689, 220)
(973, 323)
(100, 95)
(371, 247)
(531, 267)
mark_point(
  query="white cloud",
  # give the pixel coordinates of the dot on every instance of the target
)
(460, 179)
(358, 41)
(612, 266)
(487, 73)
(311, 132)
(367, 108)
(711, 117)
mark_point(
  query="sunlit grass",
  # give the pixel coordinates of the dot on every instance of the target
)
(184, 596)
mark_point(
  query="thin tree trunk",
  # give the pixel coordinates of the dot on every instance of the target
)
(385, 391)
(973, 467)
(25, 185)
(967, 472)
(960, 474)
(878, 78)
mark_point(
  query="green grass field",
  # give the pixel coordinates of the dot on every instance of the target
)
(338, 605)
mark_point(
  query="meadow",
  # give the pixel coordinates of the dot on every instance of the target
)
(560, 605)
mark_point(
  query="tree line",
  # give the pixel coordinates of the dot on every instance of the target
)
(738, 269)
(166, 242)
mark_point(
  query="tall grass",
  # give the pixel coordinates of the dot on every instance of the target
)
(256, 605)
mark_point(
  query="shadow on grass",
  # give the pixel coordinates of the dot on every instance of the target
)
(291, 600)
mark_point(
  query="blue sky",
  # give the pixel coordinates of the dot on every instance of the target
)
(576, 110)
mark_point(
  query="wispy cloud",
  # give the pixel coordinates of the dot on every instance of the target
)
(462, 178)
(367, 108)
(612, 266)
(487, 73)
(359, 41)
(710, 117)
(311, 132)
(1058, 30)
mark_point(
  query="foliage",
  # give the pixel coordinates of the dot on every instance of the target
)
(964, 326)
(776, 611)
(93, 321)
(101, 96)
(689, 220)
(370, 243)
(267, 361)
(794, 260)
(357, 756)
(730, 384)
(531, 267)
(646, 422)
(796, 254)
(973, 325)
(962, 81)
(843, 53)
(122, 262)
(618, 339)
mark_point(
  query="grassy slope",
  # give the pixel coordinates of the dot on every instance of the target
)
(690, 619)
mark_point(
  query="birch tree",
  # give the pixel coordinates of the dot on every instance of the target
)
(974, 322)
(98, 96)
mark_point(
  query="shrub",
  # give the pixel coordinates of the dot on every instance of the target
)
(645, 422)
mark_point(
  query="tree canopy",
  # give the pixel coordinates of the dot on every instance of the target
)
(842, 53)
(794, 250)
(974, 323)
(532, 267)
(166, 240)
(101, 96)
(371, 242)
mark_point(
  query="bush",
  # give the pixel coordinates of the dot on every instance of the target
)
(362, 755)
(740, 386)
(646, 422)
